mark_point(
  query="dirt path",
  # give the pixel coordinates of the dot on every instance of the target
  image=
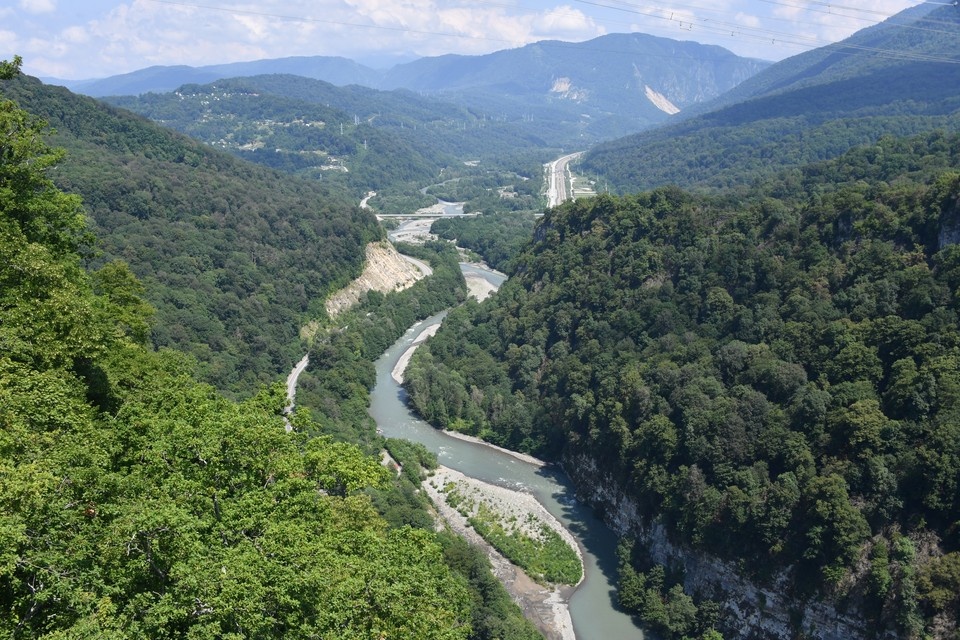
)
(292, 389)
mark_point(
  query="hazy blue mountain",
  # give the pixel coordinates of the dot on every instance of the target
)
(898, 78)
(158, 78)
(365, 138)
(613, 69)
(336, 70)
(571, 94)
(607, 85)
(435, 127)
(912, 33)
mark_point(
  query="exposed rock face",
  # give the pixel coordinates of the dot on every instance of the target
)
(565, 89)
(748, 610)
(385, 270)
(660, 101)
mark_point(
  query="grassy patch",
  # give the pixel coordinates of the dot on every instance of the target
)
(526, 541)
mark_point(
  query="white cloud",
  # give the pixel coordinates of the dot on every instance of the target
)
(432, 28)
(38, 6)
(747, 20)
(8, 40)
(566, 21)
(75, 35)
(105, 37)
(257, 28)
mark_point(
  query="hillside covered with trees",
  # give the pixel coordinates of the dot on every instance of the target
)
(773, 375)
(265, 120)
(357, 138)
(898, 78)
(136, 501)
(233, 257)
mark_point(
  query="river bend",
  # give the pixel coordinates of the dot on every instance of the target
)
(592, 604)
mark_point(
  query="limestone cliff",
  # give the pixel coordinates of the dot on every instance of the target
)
(748, 610)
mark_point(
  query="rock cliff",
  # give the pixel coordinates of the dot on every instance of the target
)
(748, 610)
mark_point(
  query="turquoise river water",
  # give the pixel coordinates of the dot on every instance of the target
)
(592, 606)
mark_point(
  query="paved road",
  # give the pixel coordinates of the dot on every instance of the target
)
(559, 187)
(292, 389)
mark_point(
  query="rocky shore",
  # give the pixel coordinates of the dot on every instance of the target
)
(546, 607)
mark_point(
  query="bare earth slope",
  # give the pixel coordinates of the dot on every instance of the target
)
(385, 270)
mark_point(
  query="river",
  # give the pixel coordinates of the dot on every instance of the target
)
(592, 604)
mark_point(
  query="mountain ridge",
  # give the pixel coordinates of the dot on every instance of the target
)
(806, 108)
(234, 256)
(599, 89)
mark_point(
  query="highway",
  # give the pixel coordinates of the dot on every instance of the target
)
(559, 181)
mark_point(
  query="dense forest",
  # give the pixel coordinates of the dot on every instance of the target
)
(233, 257)
(773, 374)
(136, 501)
(335, 387)
(766, 361)
(385, 140)
(496, 236)
(291, 134)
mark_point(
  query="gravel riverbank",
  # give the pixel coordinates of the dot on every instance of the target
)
(545, 607)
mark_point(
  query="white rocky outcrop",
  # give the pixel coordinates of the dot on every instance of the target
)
(565, 88)
(385, 270)
(660, 101)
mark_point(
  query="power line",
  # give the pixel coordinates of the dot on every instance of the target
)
(712, 25)
(830, 6)
(913, 25)
(758, 33)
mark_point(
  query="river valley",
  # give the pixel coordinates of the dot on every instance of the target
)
(592, 605)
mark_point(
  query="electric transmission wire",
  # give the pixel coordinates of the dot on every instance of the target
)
(667, 13)
(758, 33)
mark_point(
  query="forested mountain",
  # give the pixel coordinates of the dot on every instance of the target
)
(234, 257)
(897, 79)
(565, 94)
(365, 138)
(911, 34)
(433, 126)
(136, 502)
(275, 121)
(772, 376)
(600, 88)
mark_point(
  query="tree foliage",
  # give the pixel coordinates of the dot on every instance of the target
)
(233, 257)
(137, 502)
(772, 374)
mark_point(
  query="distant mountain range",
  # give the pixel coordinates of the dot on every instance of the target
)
(581, 92)
(336, 70)
(900, 77)
(306, 126)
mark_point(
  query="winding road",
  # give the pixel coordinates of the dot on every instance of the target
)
(292, 389)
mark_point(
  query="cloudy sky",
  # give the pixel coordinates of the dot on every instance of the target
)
(79, 39)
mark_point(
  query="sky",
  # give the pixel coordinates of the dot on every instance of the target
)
(83, 39)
